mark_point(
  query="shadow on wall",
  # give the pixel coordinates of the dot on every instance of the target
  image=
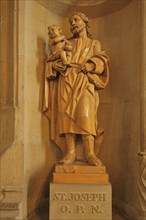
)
(37, 197)
(42, 56)
(42, 207)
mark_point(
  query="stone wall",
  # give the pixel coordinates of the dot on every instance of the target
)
(7, 78)
(12, 184)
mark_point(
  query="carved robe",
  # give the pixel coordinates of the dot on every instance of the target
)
(71, 98)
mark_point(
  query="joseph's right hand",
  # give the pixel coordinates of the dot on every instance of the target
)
(58, 66)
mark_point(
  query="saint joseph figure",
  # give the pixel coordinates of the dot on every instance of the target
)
(71, 93)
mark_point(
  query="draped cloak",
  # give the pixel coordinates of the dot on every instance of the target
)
(71, 98)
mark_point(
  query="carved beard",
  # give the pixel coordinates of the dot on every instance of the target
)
(77, 30)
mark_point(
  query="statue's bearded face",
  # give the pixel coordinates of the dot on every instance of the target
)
(77, 25)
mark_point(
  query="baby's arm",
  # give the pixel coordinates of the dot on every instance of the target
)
(58, 39)
(53, 48)
(68, 46)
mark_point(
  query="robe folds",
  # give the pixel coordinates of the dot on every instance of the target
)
(71, 97)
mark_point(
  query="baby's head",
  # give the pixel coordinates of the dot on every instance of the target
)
(54, 31)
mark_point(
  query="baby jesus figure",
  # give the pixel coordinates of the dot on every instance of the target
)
(59, 45)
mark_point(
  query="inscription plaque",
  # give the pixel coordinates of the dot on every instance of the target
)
(78, 201)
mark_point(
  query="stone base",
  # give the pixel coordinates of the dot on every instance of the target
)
(78, 201)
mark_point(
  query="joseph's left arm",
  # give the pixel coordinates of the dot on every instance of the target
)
(96, 59)
(100, 75)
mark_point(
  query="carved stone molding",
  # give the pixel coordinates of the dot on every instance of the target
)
(92, 8)
(83, 2)
(8, 210)
(10, 199)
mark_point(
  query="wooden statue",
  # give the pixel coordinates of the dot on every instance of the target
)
(73, 78)
(59, 45)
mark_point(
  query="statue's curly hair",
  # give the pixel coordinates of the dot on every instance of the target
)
(57, 26)
(86, 21)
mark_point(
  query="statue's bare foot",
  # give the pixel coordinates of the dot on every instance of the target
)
(68, 158)
(93, 160)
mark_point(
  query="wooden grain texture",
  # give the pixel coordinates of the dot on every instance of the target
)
(80, 169)
(80, 178)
